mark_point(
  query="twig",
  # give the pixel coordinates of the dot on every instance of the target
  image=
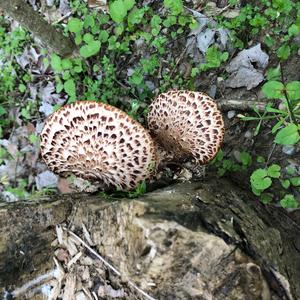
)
(270, 154)
(23, 289)
(62, 18)
(107, 264)
(289, 107)
(244, 105)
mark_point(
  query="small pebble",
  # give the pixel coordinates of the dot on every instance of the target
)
(288, 149)
(248, 134)
(231, 114)
(46, 179)
(130, 71)
(150, 85)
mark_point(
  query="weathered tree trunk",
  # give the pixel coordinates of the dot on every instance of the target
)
(23, 13)
(204, 240)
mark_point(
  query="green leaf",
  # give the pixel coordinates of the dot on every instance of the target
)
(136, 78)
(56, 63)
(289, 201)
(129, 4)
(277, 126)
(70, 88)
(285, 183)
(293, 90)
(266, 198)
(118, 11)
(290, 170)
(89, 21)
(294, 30)
(78, 39)
(22, 88)
(2, 110)
(176, 6)
(260, 159)
(59, 87)
(103, 36)
(135, 16)
(274, 171)
(75, 25)
(88, 38)
(33, 139)
(90, 49)
(25, 113)
(245, 158)
(259, 179)
(66, 64)
(284, 51)
(273, 89)
(295, 181)
(274, 73)
(288, 135)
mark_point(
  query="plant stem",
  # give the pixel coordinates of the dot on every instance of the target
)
(289, 106)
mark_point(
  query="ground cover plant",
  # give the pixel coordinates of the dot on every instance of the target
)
(129, 52)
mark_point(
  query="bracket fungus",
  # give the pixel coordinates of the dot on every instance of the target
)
(187, 124)
(98, 142)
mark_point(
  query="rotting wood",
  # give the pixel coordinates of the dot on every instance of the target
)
(267, 235)
(23, 13)
(243, 105)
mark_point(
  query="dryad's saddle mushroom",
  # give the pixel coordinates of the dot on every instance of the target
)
(187, 124)
(98, 142)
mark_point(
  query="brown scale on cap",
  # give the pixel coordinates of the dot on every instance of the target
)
(98, 142)
(187, 124)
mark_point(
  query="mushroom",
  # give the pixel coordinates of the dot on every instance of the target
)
(98, 142)
(187, 124)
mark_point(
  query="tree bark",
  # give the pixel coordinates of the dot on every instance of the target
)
(23, 13)
(216, 211)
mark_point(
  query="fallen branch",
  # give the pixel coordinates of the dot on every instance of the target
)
(243, 105)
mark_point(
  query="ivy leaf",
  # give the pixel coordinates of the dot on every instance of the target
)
(295, 181)
(284, 51)
(259, 179)
(288, 135)
(274, 171)
(70, 88)
(289, 201)
(75, 25)
(273, 89)
(285, 183)
(90, 49)
(245, 158)
(176, 6)
(266, 198)
(294, 30)
(56, 63)
(129, 4)
(293, 90)
(118, 11)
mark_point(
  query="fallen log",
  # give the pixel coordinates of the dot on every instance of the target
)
(201, 240)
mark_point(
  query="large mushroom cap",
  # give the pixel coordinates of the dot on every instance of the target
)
(98, 142)
(187, 124)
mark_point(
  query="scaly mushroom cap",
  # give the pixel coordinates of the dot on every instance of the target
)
(98, 142)
(187, 124)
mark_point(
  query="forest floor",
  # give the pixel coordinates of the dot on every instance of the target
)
(244, 56)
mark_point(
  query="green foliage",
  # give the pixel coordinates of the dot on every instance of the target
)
(276, 21)
(288, 135)
(213, 58)
(285, 130)
(264, 179)
(289, 201)
(225, 165)
(175, 6)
